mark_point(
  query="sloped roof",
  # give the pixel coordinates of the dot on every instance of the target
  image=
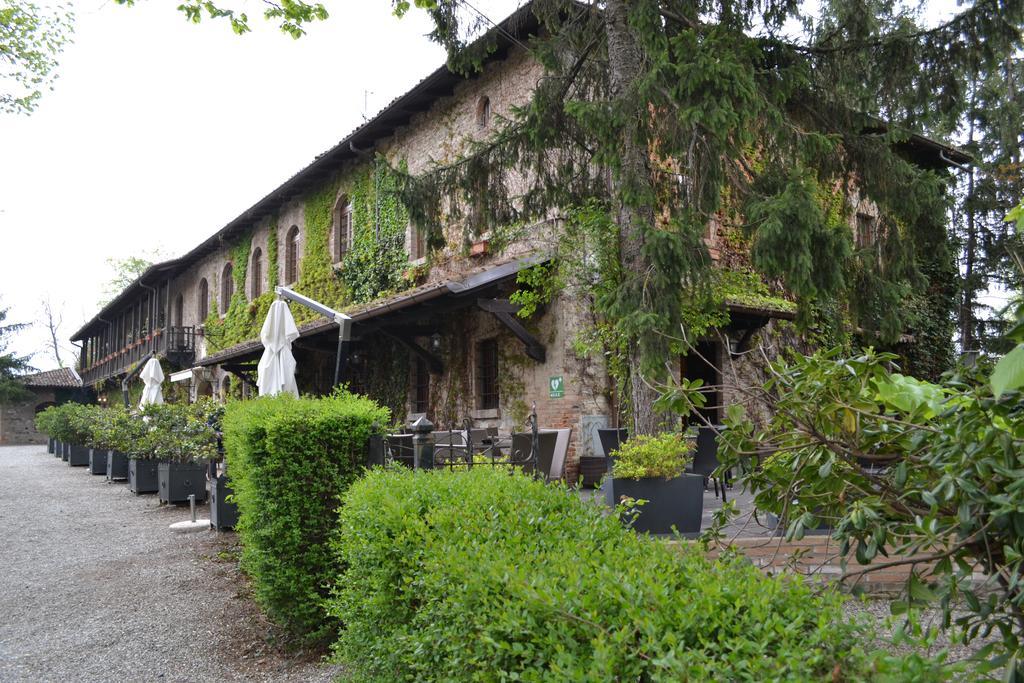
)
(48, 379)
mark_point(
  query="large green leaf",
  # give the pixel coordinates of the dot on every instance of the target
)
(1009, 372)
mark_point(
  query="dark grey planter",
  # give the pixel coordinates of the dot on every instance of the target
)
(49, 446)
(117, 466)
(675, 502)
(223, 513)
(58, 449)
(178, 480)
(142, 476)
(78, 456)
(65, 451)
(97, 461)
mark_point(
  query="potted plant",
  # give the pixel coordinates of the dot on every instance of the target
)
(182, 441)
(651, 470)
(131, 438)
(79, 425)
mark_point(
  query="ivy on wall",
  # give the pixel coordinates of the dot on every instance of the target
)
(375, 264)
(373, 267)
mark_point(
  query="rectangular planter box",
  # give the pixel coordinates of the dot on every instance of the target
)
(78, 456)
(117, 466)
(58, 449)
(223, 514)
(675, 502)
(65, 451)
(142, 476)
(49, 446)
(97, 461)
(177, 480)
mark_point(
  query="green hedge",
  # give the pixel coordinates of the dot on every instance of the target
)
(288, 462)
(482, 576)
(68, 422)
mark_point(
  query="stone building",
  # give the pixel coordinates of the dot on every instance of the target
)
(434, 330)
(49, 388)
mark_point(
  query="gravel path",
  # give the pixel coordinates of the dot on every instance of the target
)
(94, 587)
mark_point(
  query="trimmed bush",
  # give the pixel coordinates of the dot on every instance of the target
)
(482, 576)
(664, 456)
(179, 432)
(288, 462)
(68, 422)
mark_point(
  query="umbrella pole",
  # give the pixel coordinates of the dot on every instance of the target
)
(341, 360)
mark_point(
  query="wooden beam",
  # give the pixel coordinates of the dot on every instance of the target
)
(435, 364)
(498, 305)
(504, 311)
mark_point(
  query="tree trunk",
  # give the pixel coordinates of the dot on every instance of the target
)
(970, 288)
(632, 180)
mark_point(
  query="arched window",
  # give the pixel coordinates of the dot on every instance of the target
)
(483, 112)
(179, 312)
(227, 286)
(291, 256)
(342, 227)
(256, 273)
(204, 300)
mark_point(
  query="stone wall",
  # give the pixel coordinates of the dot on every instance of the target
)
(17, 421)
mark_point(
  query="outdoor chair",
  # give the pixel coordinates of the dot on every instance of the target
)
(611, 439)
(705, 459)
(399, 448)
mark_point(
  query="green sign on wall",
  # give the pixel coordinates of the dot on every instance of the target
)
(556, 387)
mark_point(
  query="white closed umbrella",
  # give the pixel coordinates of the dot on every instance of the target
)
(152, 376)
(276, 372)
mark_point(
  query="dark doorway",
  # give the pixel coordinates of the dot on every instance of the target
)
(703, 363)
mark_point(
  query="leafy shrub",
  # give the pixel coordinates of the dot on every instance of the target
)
(180, 432)
(288, 461)
(68, 422)
(928, 476)
(479, 575)
(644, 456)
(104, 425)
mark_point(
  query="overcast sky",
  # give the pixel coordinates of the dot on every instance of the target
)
(159, 132)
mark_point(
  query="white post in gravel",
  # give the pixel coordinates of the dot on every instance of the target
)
(195, 524)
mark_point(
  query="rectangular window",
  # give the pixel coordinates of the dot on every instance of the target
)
(417, 243)
(344, 234)
(866, 230)
(487, 374)
(421, 387)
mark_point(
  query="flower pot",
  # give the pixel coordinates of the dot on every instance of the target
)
(78, 456)
(50, 445)
(592, 468)
(65, 451)
(97, 461)
(223, 514)
(176, 480)
(671, 503)
(58, 449)
(142, 476)
(117, 466)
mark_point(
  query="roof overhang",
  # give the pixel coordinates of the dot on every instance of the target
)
(404, 308)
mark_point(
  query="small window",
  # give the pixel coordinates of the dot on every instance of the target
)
(227, 286)
(867, 230)
(483, 112)
(487, 374)
(342, 228)
(421, 387)
(291, 259)
(417, 243)
(256, 274)
(179, 311)
(204, 300)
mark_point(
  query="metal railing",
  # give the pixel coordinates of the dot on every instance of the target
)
(177, 343)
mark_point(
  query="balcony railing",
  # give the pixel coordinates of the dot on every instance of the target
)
(177, 344)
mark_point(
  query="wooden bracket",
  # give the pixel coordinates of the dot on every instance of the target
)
(504, 311)
(434, 363)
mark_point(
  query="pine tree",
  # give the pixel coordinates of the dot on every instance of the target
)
(11, 365)
(672, 113)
